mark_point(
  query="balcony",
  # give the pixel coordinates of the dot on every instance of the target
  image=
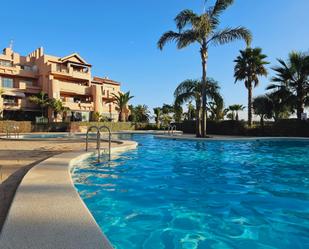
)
(68, 72)
(16, 70)
(83, 106)
(29, 88)
(74, 88)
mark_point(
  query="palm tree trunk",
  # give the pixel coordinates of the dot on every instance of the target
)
(262, 121)
(122, 116)
(198, 119)
(158, 122)
(204, 89)
(300, 106)
(250, 104)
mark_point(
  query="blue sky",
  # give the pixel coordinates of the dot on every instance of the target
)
(119, 38)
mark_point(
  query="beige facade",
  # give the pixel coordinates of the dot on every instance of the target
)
(64, 78)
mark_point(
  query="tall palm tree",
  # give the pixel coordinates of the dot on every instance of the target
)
(250, 65)
(293, 77)
(262, 106)
(204, 30)
(121, 100)
(192, 90)
(158, 112)
(42, 100)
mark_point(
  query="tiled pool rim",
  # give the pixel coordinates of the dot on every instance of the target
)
(47, 211)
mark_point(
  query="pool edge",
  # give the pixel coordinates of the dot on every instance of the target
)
(47, 211)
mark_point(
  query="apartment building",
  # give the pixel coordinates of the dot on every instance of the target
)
(66, 78)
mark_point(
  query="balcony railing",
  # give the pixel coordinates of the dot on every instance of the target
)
(69, 71)
(82, 106)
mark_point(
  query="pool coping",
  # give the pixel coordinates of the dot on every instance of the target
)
(20, 135)
(47, 211)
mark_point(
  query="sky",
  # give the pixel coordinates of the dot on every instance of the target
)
(119, 38)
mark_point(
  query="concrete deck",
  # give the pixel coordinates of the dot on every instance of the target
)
(48, 213)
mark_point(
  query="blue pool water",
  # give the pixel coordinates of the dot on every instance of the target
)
(195, 195)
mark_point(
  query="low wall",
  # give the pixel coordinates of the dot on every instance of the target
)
(287, 128)
(23, 126)
(82, 126)
(27, 126)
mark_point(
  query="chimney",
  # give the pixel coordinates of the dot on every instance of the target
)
(8, 51)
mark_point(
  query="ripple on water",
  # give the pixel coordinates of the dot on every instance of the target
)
(196, 195)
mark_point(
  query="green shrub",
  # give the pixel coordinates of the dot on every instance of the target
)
(23, 126)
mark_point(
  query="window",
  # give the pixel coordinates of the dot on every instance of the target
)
(7, 82)
(28, 82)
(6, 63)
(26, 67)
(8, 100)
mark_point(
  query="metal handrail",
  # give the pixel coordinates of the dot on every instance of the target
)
(170, 129)
(98, 140)
(98, 129)
(109, 139)
(15, 131)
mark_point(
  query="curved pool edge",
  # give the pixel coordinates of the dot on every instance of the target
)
(47, 211)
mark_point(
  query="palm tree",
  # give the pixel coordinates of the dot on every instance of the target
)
(235, 109)
(192, 90)
(178, 112)
(58, 107)
(292, 77)
(250, 64)
(216, 108)
(282, 103)
(190, 114)
(263, 106)
(141, 113)
(42, 100)
(158, 112)
(122, 100)
(203, 29)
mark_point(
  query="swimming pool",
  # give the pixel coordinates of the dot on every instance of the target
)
(197, 195)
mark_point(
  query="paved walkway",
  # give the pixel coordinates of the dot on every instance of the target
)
(18, 157)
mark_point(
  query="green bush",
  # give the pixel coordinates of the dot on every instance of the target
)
(287, 128)
(145, 126)
(22, 126)
(112, 125)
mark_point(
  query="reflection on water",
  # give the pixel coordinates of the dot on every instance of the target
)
(195, 195)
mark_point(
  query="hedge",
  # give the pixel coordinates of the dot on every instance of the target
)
(287, 128)
(26, 126)
(80, 126)
(22, 126)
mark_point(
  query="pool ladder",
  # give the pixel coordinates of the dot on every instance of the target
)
(98, 138)
(15, 131)
(171, 129)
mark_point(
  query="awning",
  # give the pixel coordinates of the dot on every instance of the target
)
(14, 94)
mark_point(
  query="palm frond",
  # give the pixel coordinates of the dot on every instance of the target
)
(231, 34)
(220, 6)
(167, 37)
(188, 37)
(184, 18)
